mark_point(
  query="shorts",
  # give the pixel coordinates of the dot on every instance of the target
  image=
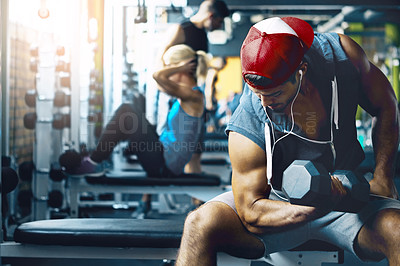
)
(337, 228)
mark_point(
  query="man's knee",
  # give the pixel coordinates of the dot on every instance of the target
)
(207, 220)
(387, 223)
(200, 218)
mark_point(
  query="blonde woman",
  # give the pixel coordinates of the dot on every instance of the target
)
(163, 155)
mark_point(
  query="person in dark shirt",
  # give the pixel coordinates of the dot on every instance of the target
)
(193, 32)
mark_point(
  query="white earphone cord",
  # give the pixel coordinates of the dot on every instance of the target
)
(270, 151)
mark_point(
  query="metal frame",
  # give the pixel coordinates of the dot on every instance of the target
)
(4, 45)
(4, 24)
(77, 185)
(5, 70)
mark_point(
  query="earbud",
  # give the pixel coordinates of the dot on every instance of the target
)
(301, 76)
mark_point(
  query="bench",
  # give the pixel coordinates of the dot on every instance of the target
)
(200, 186)
(148, 239)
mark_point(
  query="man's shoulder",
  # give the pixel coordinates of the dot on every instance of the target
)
(325, 50)
(248, 124)
(322, 36)
(243, 145)
(322, 40)
(186, 23)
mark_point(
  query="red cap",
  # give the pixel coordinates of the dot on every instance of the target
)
(274, 48)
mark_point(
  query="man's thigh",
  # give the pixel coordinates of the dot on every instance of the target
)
(379, 236)
(357, 232)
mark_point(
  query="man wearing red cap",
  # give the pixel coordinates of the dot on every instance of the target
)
(299, 103)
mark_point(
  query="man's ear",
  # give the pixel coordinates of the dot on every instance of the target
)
(303, 68)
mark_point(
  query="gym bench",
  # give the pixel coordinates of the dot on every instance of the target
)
(200, 186)
(148, 239)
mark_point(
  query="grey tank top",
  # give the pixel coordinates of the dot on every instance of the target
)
(180, 137)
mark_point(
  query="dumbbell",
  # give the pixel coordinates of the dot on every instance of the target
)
(55, 199)
(9, 180)
(61, 121)
(56, 174)
(33, 64)
(25, 171)
(34, 50)
(60, 50)
(309, 183)
(65, 81)
(30, 98)
(63, 66)
(70, 159)
(30, 120)
(62, 98)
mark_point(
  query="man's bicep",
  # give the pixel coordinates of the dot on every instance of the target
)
(376, 88)
(248, 170)
(378, 91)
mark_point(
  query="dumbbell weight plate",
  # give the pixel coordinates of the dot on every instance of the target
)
(30, 98)
(25, 171)
(307, 183)
(61, 98)
(358, 190)
(30, 120)
(9, 180)
(70, 159)
(55, 199)
(56, 174)
(61, 121)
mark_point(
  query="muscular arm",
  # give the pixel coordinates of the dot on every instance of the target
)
(177, 81)
(209, 87)
(173, 87)
(382, 105)
(175, 36)
(250, 189)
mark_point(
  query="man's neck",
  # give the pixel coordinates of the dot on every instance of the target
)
(197, 21)
(309, 112)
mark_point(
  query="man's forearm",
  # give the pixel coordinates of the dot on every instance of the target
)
(385, 137)
(271, 216)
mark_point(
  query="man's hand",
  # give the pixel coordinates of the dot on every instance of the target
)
(386, 189)
(338, 191)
